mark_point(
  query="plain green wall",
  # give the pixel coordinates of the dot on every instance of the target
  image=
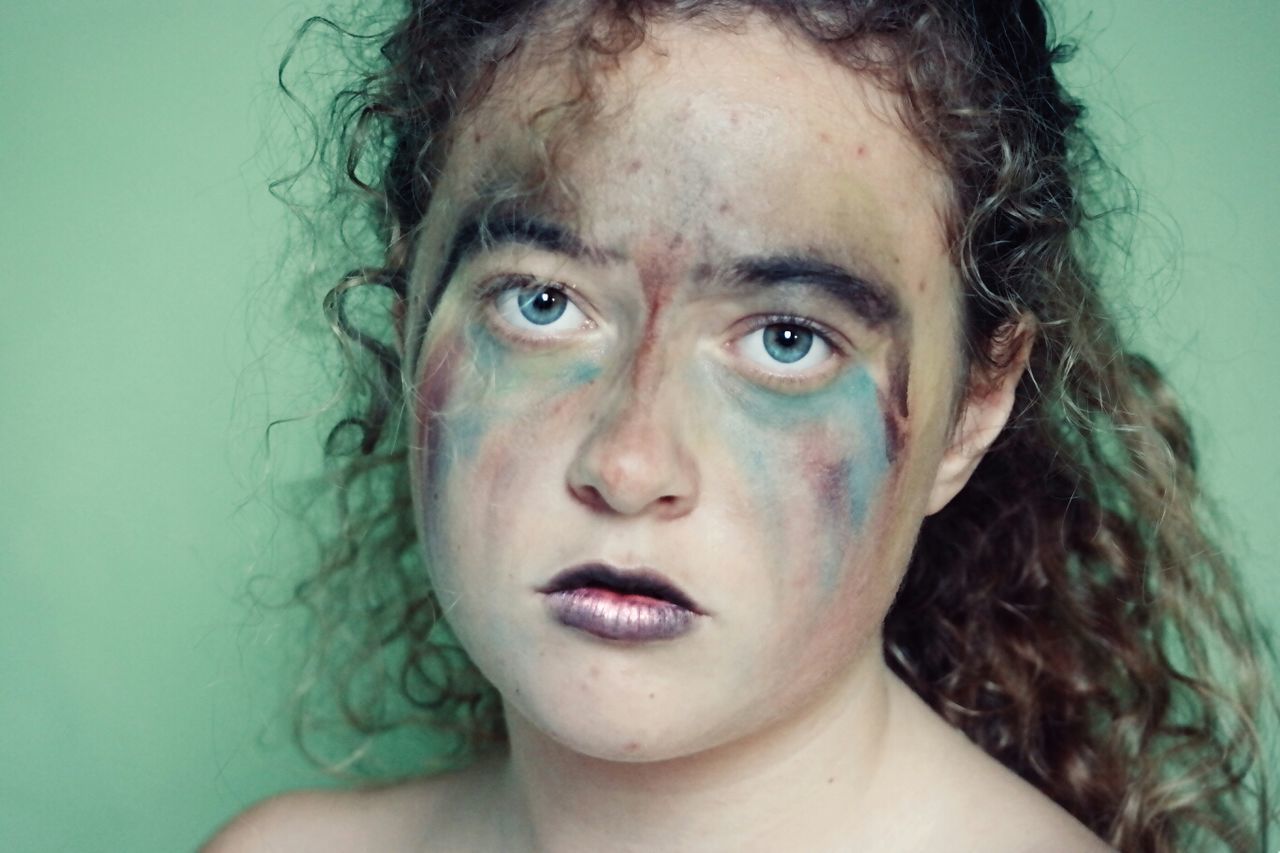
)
(137, 695)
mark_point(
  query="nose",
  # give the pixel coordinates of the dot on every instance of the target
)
(635, 461)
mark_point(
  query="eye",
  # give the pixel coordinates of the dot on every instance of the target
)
(786, 348)
(534, 306)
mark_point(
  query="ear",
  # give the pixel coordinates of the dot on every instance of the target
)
(984, 411)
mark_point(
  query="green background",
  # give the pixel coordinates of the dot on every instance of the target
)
(139, 694)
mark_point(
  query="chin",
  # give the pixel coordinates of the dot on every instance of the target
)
(617, 714)
(624, 740)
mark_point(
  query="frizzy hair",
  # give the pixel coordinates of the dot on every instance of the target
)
(1068, 610)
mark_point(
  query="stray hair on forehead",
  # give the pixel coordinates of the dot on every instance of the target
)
(1069, 610)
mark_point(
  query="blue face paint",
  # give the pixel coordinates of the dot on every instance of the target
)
(831, 442)
(492, 385)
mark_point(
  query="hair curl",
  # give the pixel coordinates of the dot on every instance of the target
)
(1068, 610)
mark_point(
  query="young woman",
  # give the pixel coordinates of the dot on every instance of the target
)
(752, 463)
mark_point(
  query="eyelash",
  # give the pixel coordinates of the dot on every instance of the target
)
(490, 293)
(819, 331)
(501, 285)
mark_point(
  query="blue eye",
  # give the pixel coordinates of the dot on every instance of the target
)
(535, 306)
(791, 346)
(541, 305)
(787, 344)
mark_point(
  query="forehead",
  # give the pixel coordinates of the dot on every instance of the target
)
(734, 142)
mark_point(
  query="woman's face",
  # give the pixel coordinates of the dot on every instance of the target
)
(720, 347)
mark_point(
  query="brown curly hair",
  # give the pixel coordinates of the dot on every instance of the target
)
(1068, 610)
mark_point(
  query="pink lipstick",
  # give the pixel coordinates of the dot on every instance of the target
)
(614, 604)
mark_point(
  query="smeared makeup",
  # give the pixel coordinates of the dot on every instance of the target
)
(893, 401)
(833, 440)
(471, 385)
(700, 205)
(658, 270)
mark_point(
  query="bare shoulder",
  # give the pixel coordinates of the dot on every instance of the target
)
(391, 818)
(977, 804)
(1008, 814)
(402, 816)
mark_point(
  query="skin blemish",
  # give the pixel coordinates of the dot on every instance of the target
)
(824, 137)
(724, 207)
(861, 151)
(634, 166)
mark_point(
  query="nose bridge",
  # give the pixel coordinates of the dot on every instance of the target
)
(636, 456)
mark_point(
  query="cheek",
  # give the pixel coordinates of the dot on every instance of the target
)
(813, 469)
(487, 419)
(434, 391)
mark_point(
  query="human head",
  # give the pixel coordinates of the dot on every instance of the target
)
(975, 88)
(973, 85)
(695, 202)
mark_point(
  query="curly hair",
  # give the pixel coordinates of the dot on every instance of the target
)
(1068, 610)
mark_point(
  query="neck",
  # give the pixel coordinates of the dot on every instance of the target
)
(806, 782)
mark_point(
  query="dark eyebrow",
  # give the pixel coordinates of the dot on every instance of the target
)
(876, 303)
(485, 231)
(497, 226)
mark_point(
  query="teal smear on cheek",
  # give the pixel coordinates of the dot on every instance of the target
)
(581, 373)
(769, 422)
(475, 417)
(490, 387)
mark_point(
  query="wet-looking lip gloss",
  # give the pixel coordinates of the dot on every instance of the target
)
(632, 606)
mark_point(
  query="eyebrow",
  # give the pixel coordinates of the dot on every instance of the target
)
(482, 232)
(876, 303)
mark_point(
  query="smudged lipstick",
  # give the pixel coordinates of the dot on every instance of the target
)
(632, 605)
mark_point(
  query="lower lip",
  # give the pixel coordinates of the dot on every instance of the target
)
(614, 616)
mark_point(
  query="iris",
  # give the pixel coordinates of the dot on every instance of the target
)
(542, 305)
(787, 343)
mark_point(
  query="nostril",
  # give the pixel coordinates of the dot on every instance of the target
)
(589, 495)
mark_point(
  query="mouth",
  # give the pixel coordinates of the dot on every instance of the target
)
(633, 605)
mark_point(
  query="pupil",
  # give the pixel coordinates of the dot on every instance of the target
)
(787, 344)
(542, 305)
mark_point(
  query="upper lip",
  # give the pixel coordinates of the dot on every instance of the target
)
(639, 581)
